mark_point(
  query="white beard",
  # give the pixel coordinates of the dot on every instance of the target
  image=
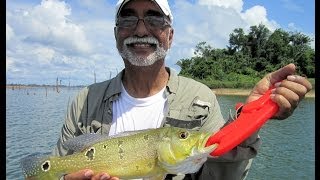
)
(137, 60)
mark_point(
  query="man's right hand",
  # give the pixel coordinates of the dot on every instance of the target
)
(88, 174)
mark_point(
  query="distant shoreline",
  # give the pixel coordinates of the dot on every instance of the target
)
(218, 91)
(39, 86)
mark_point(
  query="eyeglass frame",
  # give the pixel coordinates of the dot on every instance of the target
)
(166, 22)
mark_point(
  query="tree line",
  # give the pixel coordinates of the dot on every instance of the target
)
(248, 57)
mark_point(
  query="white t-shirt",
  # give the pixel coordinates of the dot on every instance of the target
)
(130, 114)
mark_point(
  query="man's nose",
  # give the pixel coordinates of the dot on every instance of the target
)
(141, 29)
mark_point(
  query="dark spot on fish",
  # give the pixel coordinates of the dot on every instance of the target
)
(121, 156)
(105, 146)
(146, 137)
(90, 154)
(150, 165)
(121, 152)
(137, 168)
(120, 143)
(46, 166)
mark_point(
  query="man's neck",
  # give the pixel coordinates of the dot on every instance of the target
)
(143, 82)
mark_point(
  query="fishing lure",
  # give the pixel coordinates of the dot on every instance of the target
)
(253, 115)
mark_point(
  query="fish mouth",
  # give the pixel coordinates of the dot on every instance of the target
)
(202, 148)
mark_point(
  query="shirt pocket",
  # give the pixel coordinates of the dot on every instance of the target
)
(190, 116)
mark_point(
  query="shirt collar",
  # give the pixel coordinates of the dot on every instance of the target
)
(115, 84)
(173, 81)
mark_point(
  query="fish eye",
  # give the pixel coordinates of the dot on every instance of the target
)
(183, 135)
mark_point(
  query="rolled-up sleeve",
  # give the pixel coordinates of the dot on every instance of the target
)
(70, 126)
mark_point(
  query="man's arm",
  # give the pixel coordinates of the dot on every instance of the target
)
(289, 90)
(70, 126)
(234, 164)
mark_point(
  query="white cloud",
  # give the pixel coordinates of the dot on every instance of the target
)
(9, 32)
(9, 63)
(44, 55)
(73, 39)
(292, 27)
(48, 24)
(258, 15)
(233, 4)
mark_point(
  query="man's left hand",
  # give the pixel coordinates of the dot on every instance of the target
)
(289, 90)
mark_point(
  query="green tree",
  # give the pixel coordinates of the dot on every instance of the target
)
(277, 46)
(257, 39)
(237, 41)
(248, 57)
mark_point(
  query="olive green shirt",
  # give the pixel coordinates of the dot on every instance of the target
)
(192, 105)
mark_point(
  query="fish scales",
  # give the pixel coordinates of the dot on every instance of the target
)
(147, 153)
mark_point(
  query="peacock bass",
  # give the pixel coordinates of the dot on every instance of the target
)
(150, 153)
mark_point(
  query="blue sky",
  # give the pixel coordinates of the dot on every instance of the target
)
(299, 12)
(73, 39)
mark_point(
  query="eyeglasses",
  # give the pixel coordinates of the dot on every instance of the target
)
(151, 22)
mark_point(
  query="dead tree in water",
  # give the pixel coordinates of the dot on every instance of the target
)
(57, 85)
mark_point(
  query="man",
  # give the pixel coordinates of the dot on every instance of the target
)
(146, 94)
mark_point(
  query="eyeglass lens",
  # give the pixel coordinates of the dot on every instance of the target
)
(151, 22)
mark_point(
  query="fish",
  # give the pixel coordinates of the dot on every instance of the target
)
(149, 154)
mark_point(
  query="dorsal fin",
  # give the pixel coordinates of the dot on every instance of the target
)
(84, 141)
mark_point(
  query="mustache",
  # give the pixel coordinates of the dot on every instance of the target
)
(149, 40)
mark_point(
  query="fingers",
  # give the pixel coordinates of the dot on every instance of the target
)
(282, 73)
(286, 100)
(300, 80)
(270, 79)
(103, 176)
(288, 93)
(80, 175)
(88, 174)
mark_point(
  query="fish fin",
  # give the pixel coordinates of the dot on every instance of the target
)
(127, 133)
(84, 141)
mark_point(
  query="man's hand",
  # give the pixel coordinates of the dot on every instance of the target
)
(88, 174)
(289, 90)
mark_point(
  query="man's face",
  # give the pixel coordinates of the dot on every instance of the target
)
(144, 42)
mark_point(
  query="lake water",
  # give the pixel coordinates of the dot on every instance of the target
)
(35, 116)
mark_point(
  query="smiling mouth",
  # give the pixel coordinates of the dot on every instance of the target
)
(141, 45)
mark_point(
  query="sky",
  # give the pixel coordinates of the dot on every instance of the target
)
(73, 40)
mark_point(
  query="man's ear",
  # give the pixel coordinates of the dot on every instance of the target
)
(171, 36)
(115, 32)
